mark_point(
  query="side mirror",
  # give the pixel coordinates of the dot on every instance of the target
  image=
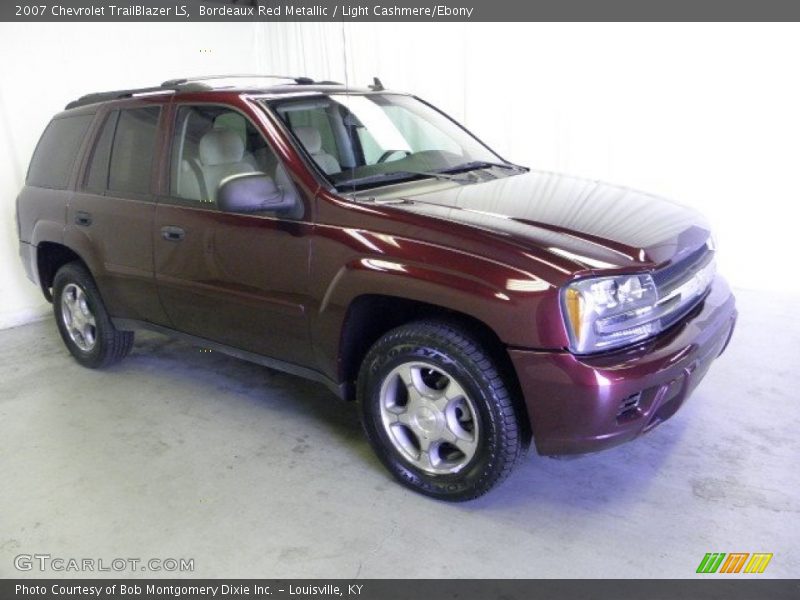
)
(252, 192)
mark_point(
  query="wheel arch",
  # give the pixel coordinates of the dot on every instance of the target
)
(50, 257)
(371, 315)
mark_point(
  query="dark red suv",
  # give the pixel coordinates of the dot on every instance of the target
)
(364, 239)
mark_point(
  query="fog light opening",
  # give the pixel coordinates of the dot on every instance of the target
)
(629, 407)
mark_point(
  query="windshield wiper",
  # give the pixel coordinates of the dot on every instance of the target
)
(481, 164)
(393, 176)
(449, 174)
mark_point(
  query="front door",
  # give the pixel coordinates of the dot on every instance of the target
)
(236, 279)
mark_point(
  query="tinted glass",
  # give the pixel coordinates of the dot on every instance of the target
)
(132, 151)
(211, 143)
(97, 176)
(55, 154)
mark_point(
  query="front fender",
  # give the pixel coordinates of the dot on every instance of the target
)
(515, 304)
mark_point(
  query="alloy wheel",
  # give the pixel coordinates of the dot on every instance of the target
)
(78, 318)
(429, 418)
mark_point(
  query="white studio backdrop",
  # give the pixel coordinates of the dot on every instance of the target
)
(706, 114)
(45, 65)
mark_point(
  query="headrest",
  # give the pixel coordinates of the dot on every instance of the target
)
(233, 121)
(221, 147)
(310, 138)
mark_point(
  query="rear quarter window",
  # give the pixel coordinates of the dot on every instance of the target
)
(56, 152)
(97, 173)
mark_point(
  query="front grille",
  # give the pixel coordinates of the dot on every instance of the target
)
(667, 277)
(678, 293)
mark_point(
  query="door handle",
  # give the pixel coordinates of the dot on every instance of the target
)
(83, 218)
(172, 233)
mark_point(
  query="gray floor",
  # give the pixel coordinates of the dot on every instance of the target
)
(176, 453)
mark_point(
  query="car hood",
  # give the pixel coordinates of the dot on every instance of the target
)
(596, 225)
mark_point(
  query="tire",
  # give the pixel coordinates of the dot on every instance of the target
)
(83, 321)
(437, 412)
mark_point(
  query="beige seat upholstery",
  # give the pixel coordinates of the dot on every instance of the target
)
(189, 181)
(236, 122)
(312, 142)
(221, 154)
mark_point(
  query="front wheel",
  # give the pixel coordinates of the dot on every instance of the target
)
(437, 412)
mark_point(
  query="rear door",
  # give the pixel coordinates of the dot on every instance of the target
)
(110, 217)
(236, 279)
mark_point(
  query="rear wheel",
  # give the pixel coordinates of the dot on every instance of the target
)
(83, 322)
(437, 412)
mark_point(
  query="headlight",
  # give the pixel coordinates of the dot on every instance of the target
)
(608, 312)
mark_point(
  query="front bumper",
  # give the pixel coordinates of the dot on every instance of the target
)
(584, 404)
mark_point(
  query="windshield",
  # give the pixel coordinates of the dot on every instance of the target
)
(367, 140)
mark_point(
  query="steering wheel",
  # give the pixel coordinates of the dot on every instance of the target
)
(385, 156)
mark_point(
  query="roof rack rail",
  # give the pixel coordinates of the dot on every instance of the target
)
(116, 94)
(179, 84)
(182, 81)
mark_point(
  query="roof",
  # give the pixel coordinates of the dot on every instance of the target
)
(272, 84)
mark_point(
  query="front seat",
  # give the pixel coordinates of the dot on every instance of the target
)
(221, 152)
(236, 122)
(312, 142)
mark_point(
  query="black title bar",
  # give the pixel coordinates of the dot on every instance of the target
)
(404, 589)
(401, 10)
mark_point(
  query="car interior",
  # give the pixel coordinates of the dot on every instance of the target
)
(212, 144)
(366, 135)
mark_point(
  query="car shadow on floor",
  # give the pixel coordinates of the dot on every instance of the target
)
(585, 483)
(268, 389)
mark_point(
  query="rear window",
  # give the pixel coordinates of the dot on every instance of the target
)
(56, 152)
(132, 151)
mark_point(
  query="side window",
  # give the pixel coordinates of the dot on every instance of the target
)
(56, 151)
(97, 173)
(132, 151)
(211, 144)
